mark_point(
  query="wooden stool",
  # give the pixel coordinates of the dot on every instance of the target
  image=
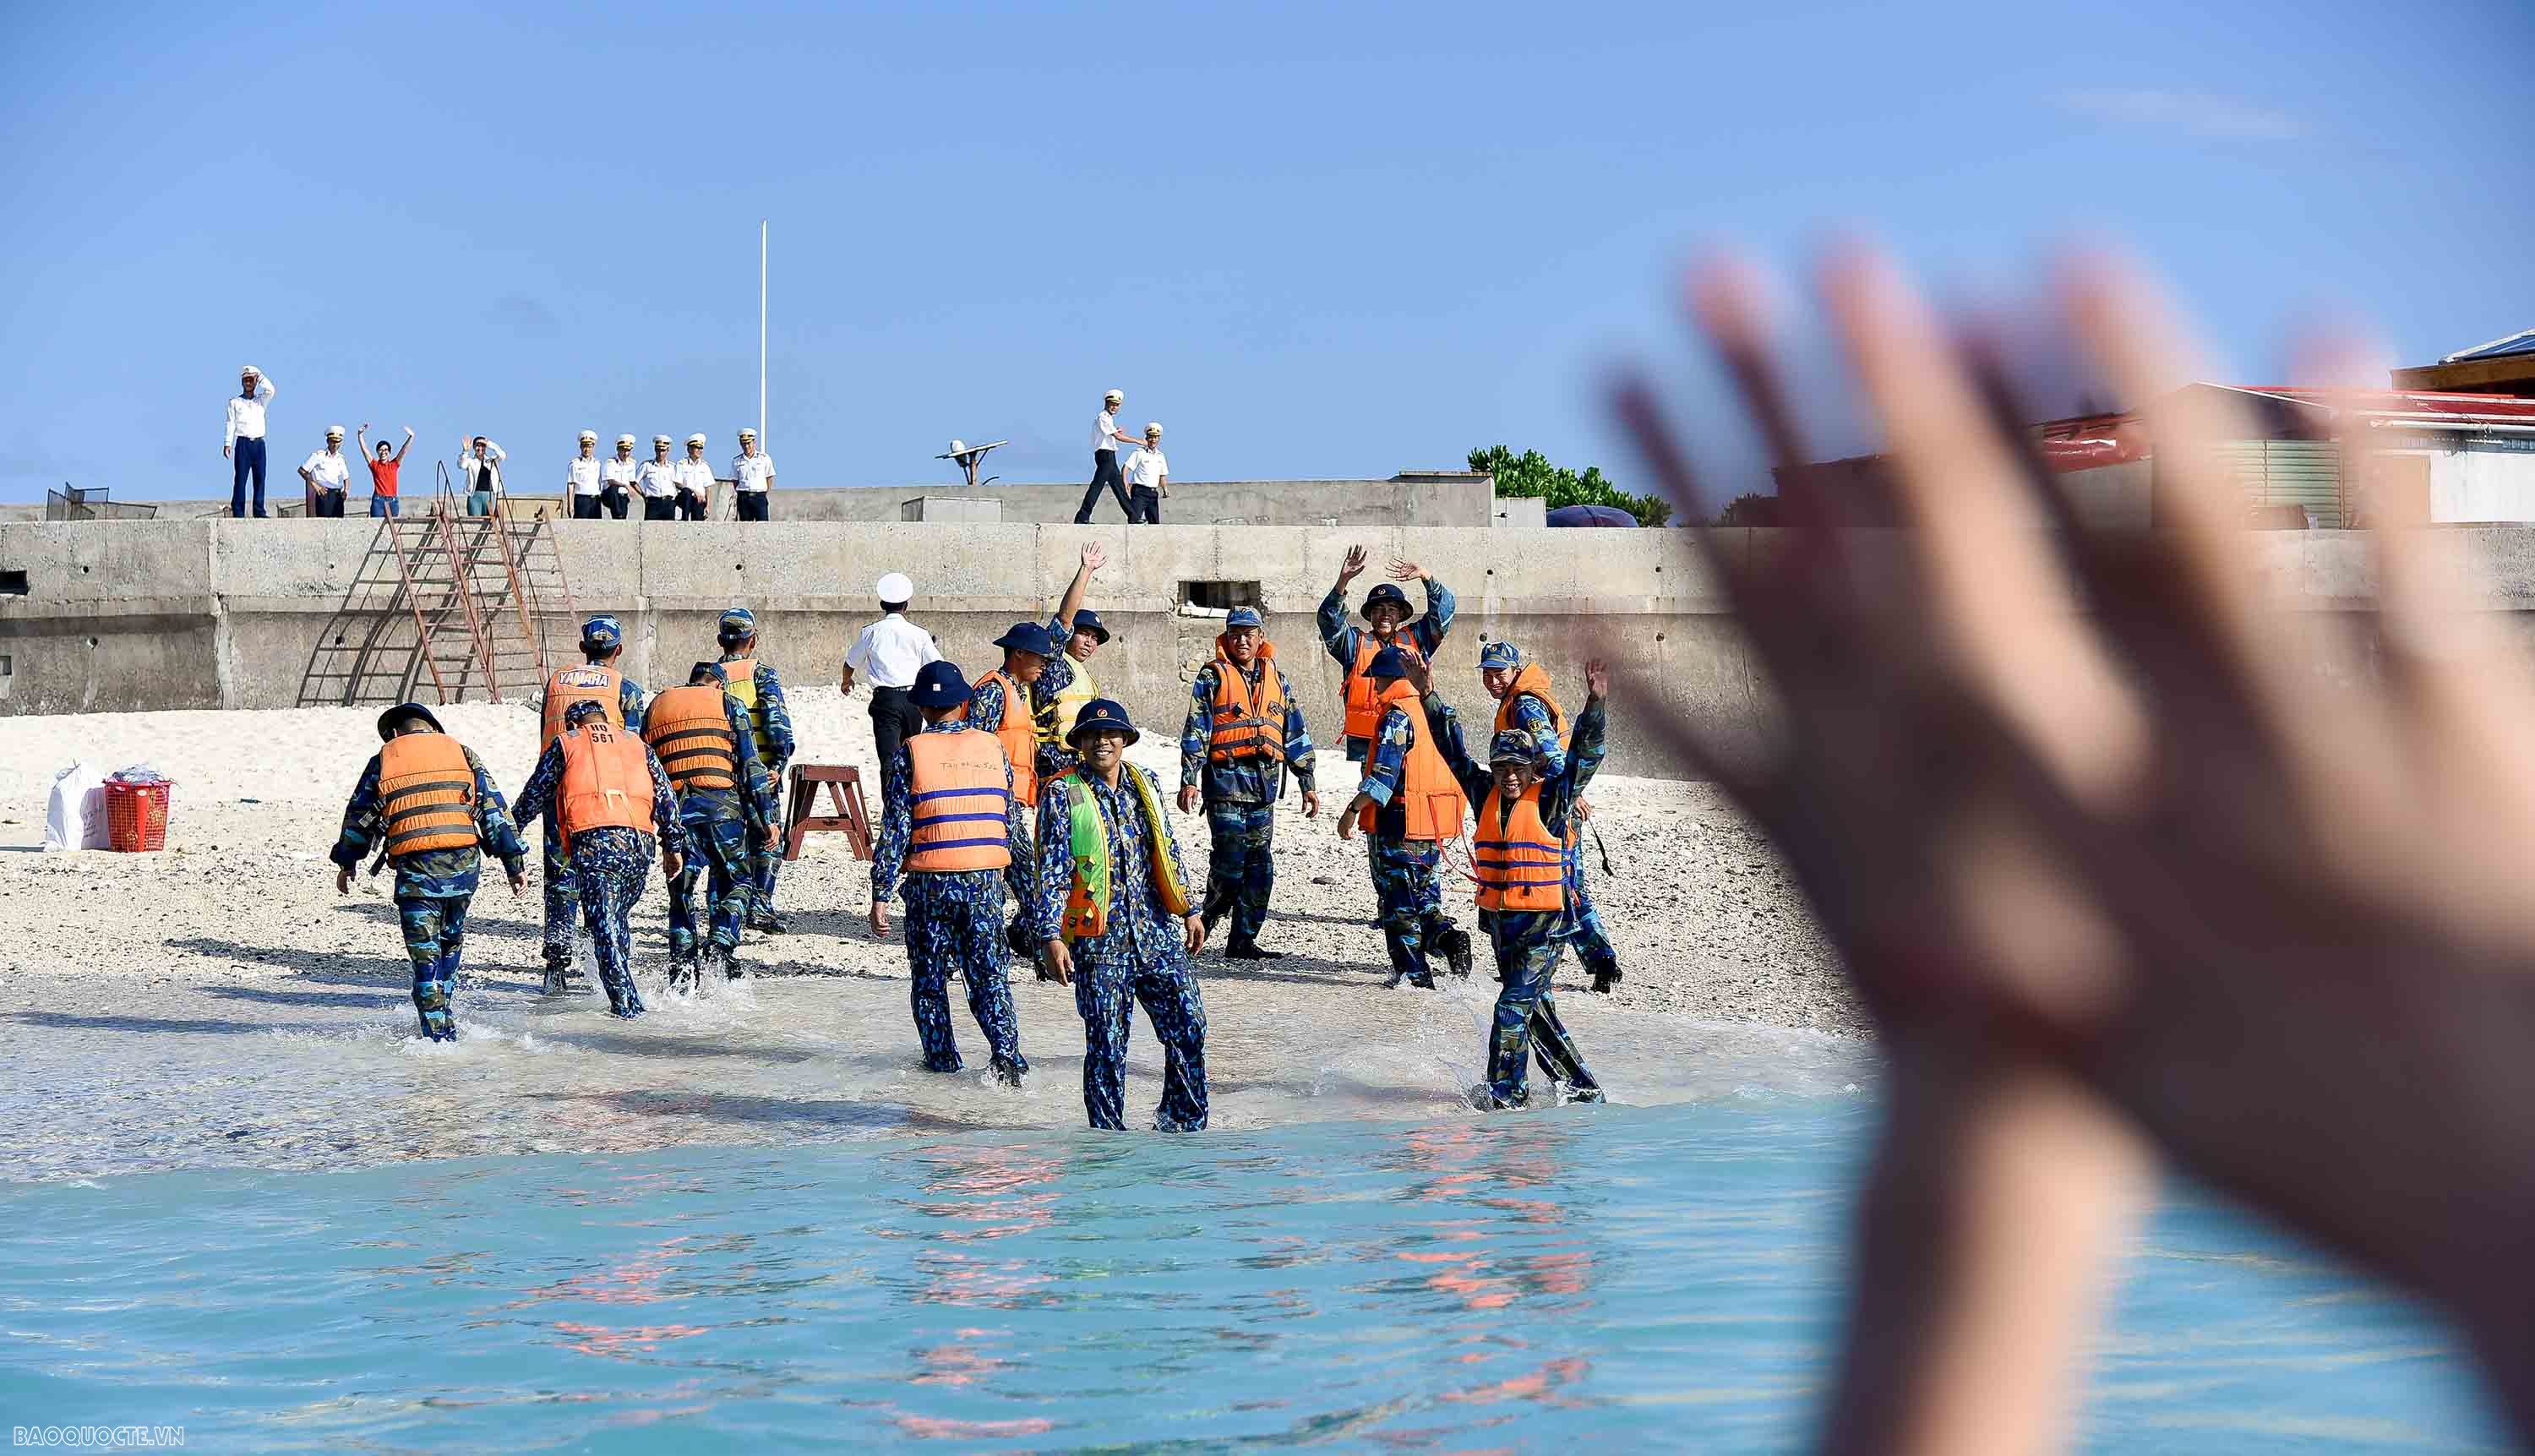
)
(849, 816)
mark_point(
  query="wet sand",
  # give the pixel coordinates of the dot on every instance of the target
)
(217, 1004)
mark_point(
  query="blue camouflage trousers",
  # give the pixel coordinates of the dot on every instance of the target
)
(1592, 943)
(954, 922)
(563, 904)
(1527, 1026)
(1240, 866)
(435, 931)
(1106, 995)
(716, 840)
(765, 860)
(1411, 903)
(609, 868)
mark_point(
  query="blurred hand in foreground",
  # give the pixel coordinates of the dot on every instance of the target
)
(2267, 919)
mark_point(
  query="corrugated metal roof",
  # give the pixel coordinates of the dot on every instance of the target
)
(2520, 342)
(2403, 404)
(2380, 406)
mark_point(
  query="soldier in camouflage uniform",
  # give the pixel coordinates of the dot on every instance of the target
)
(1387, 624)
(760, 696)
(723, 825)
(1404, 854)
(433, 886)
(954, 917)
(602, 645)
(1528, 942)
(1235, 759)
(1114, 917)
(992, 708)
(611, 863)
(1520, 689)
(1063, 683)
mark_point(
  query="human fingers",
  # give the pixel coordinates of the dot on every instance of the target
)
(1994, 596)
(2185, 604)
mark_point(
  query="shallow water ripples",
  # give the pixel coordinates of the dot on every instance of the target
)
(1660, 1277)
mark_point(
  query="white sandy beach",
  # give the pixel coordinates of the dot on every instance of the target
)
(217, 1003)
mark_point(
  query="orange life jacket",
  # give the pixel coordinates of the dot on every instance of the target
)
(587, 684)
(689, 727)
(958, 803)
(1363, 704)
(1430, 798)
(426, 794)
(1019, 735)
(1248, 722)
(1520, 865)
(1533, 681)
(606, 783)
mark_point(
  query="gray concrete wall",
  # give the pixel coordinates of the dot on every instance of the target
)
(219, 613)
(1421, 498)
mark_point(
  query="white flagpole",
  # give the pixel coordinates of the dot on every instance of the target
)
(760, 334)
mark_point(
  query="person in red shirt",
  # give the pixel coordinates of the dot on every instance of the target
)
(384, 468)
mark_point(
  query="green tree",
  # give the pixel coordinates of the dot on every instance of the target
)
(1530, 473)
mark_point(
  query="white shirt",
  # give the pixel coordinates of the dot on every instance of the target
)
(1104, 432)
(614, 472)
(583, 475)
(330, 469)
(694, 476)
(891, 650)
(486, 473)
(246, 415)
(752, 472)
(658, 478)
(1145, 467)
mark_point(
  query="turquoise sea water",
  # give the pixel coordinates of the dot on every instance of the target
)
(1648, 1277)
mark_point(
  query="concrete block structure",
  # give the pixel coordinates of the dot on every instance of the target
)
(105, 617)
(952, 508)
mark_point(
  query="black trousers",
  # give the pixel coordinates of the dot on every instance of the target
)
(584, 508)
(330, 503)
(894, 719)
(618, 500)
(659, 508)
(752, 504)
(1104, 472)
(1146, 508)
(690, 506)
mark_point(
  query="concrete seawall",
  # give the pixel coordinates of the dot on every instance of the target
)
(1411, 498)
(197, 613)
(203, 613)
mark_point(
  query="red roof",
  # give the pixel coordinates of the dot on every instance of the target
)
(2378, 404)
(2084, 441)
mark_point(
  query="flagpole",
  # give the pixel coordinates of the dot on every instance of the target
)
(761, 335)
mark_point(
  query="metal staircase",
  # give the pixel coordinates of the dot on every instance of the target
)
(456, 603)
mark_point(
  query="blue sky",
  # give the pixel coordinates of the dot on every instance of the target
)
(1313, 240)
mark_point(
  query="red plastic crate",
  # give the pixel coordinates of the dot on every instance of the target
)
(136, 815)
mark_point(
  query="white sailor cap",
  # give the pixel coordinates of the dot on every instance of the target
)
(1152, 427)
(659, 439)
(895, 586)
(589, 437)
(334, 432)
(746, 433)
(624, 439)
(1115, 397)
(697, 438)
(246, 369)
